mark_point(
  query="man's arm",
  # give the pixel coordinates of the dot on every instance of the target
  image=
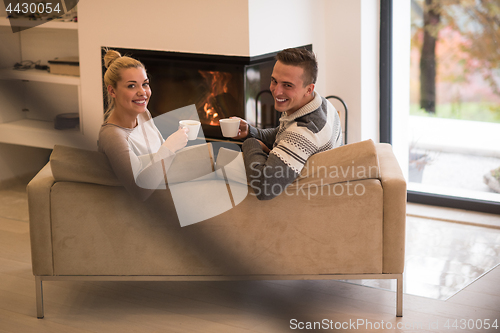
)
(267, 175)
(267, 136)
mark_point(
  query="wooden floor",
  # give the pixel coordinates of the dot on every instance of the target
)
(258, 306)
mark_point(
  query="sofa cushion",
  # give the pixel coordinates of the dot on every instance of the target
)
(84, 166)
(230, 166)
(192, 163)
(355, 161)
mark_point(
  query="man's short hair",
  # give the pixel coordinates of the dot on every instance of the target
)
(303, 58)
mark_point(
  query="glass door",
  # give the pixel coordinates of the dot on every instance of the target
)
(454, 121)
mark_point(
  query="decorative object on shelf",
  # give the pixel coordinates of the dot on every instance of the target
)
(28, 64)
(66, 121)
(65, 66)
(492, 179)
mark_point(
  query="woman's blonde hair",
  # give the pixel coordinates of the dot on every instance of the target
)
(115, 63)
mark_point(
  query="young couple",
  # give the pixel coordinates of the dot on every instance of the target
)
(273, 157)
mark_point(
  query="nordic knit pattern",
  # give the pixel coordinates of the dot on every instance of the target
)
(312, 129)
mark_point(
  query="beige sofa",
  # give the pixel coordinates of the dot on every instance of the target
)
(84, 226)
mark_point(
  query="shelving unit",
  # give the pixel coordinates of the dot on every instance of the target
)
(30, 99)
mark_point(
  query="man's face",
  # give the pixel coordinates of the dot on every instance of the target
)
(287, 87)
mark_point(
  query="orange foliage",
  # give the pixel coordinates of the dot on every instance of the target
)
(467, 51)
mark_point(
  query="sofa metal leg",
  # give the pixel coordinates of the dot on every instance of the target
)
(39, 297)
(399, 296)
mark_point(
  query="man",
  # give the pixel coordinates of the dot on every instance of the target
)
(309, 124)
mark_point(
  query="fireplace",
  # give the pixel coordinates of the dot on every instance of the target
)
(219, 86)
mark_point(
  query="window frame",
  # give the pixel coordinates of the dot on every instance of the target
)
(386, 120)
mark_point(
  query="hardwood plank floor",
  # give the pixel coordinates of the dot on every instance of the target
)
(234, 306)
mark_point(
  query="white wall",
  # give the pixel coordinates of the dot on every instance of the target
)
(208, 26)
(352, 46)
(370, 65)
(280, 24)
(344, 35)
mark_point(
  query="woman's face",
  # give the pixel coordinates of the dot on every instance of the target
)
(132, 92)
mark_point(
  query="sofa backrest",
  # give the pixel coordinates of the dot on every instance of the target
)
(351, 162)
(83, 166)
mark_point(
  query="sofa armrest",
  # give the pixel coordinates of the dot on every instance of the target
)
(394, 185)
(38, 191)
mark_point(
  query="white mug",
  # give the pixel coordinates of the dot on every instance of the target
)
(194, 128)
(229, 127)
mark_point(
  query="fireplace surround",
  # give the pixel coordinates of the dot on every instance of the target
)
(220, 86)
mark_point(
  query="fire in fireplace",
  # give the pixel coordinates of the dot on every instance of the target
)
(218, 100)
(220, 86)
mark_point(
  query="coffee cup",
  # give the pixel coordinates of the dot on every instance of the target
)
(229, 127)
(194, 128)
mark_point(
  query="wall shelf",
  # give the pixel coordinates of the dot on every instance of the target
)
(54, 24)
(37, 133)
(38, 76)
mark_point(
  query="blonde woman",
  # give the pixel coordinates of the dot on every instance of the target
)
(135, 148)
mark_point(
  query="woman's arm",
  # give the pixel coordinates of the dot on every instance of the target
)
(140, 175)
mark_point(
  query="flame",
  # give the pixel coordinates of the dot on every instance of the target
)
(218, 83)
(210, 113)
